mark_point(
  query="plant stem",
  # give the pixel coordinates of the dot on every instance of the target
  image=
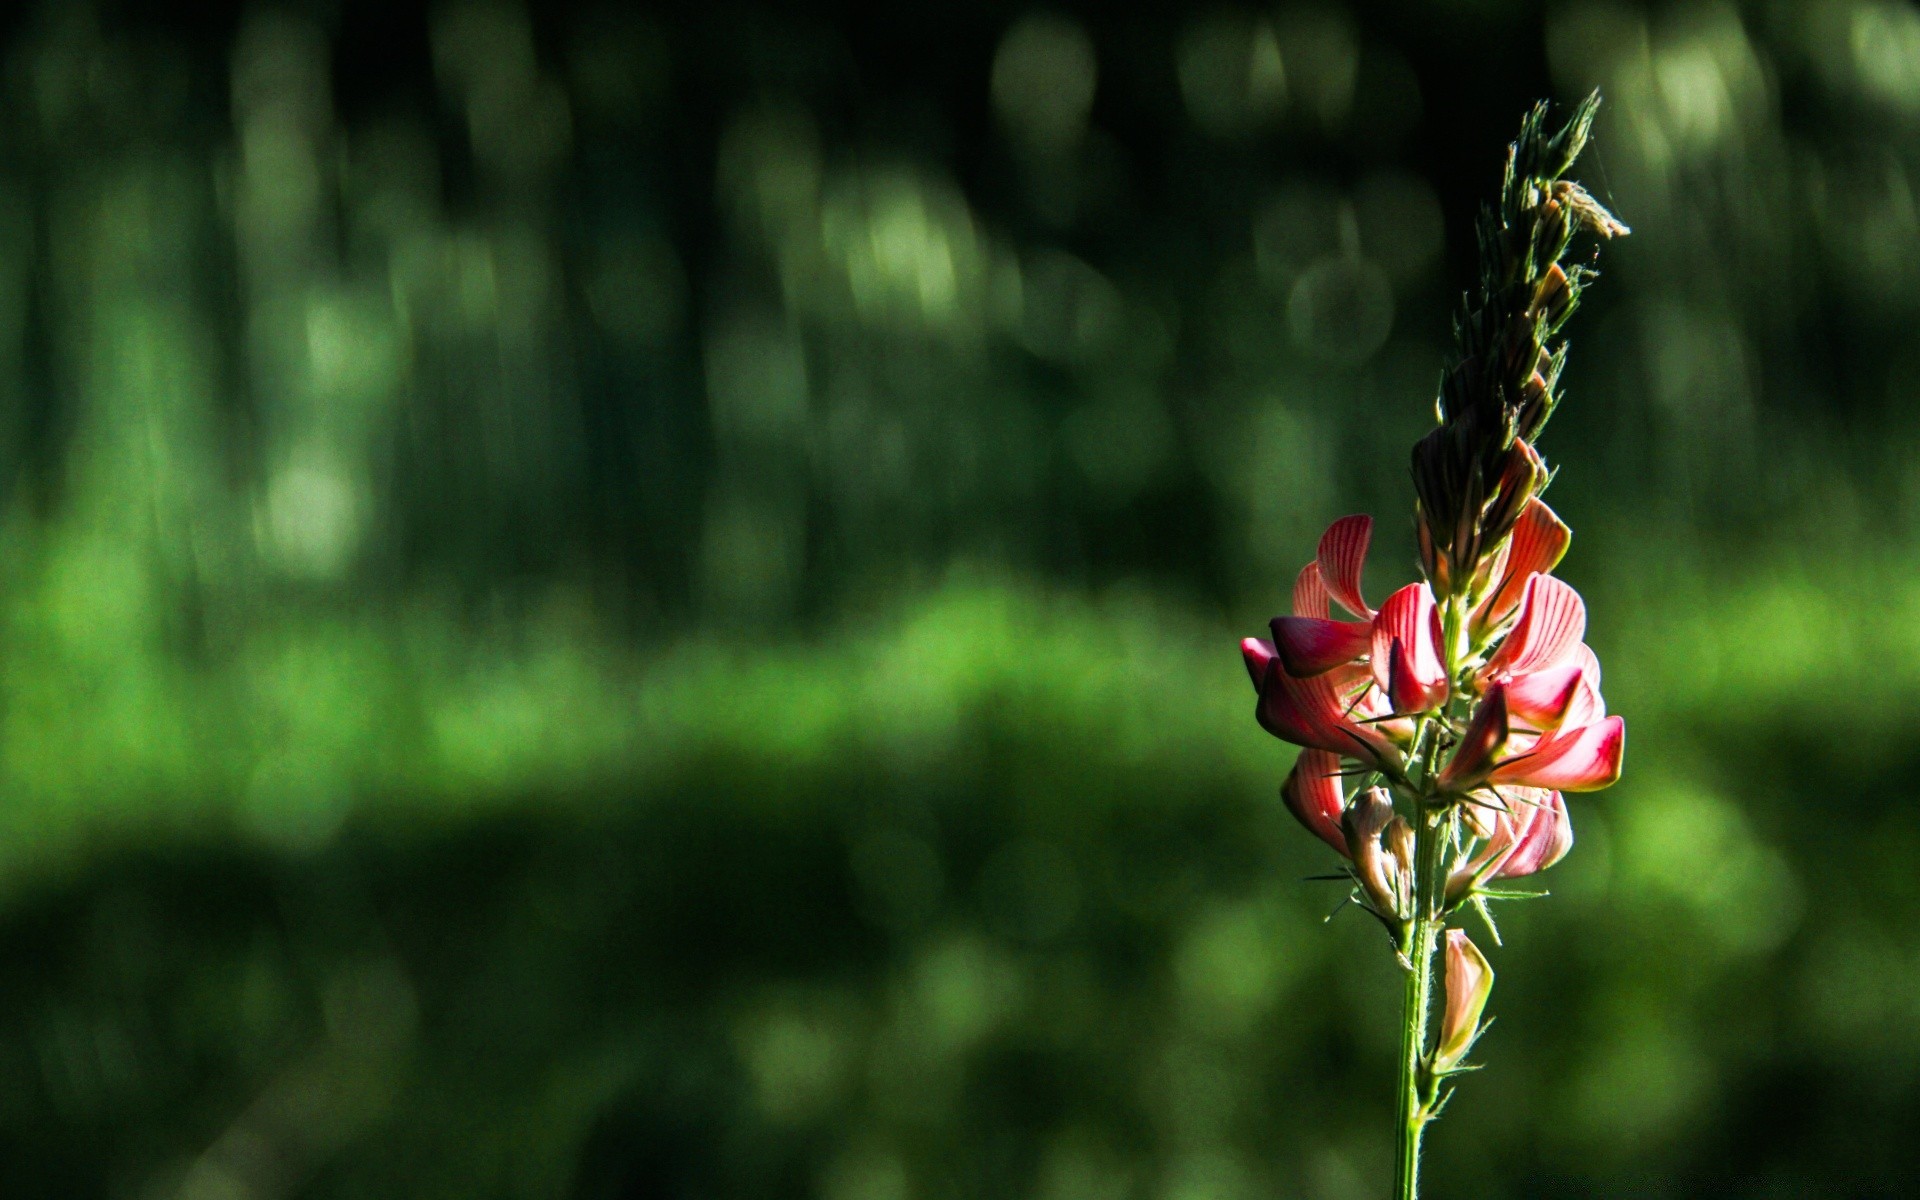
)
(1429, 835)
(1432, 827)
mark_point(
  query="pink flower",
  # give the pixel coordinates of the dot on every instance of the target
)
(1531, 832)
(1538, 541)
(1405, 651)
(1310, 641)
(1344, 685)
(1541, 721)
(1493, 751)
(1318, 712)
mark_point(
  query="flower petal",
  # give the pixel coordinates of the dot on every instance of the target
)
(1588, 705)
(1257, 652)
(1343, 553)
(1310, 645)
(1541, 701)
(1310, 712)
(1406, 650)
(1584, 759)
(1486, 735)
(1538, 543)
(1552, 621)
(1312, 793)
(1310, 593)
(1545, 840)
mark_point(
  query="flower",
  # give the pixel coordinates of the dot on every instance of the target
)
(1347, 686)
(1310, 641)
(1319, 712)
(1536, 546)
(1405, 651)
(1541, 721)
(1469, 981)
(1531, 832)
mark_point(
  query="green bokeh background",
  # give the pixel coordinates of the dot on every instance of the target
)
(617, 602)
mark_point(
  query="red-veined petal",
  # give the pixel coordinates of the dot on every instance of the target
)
(1312, 793)
(1310, 593)
(1538, 542)
(1343, 554)
(1547, 633)
(1584, 759)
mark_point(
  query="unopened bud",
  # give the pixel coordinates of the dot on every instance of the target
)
(1469, 982)
(1367, 817)
(1398, 840)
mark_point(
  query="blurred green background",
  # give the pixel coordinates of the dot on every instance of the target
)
(635, 602)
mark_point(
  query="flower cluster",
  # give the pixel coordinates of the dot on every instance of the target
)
(1490, 701)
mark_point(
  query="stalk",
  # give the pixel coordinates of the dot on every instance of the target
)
(1413, 1039)
(1430, 838)
(1432, 828)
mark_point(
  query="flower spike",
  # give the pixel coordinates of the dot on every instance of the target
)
(1470, 700)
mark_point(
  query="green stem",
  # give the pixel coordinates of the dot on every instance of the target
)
(1429, 836)
(1432, 828)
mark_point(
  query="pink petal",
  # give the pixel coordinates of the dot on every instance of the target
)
(1311, 712)
(1538, 543)
(1590, 663)
(1484, 738)
(1343, 553)
(1310, 593)
(1547, 838)
(1310, 645)
(1547, 633)
(1312, 793)
(1541, 700)
(1257, 652)
(1584, 759)
(1406, 650)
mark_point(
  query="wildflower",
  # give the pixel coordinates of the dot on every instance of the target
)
(1530, 832)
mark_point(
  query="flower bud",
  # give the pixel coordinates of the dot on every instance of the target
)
(1367, 817)
(1398, 840)
(1469, 981)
